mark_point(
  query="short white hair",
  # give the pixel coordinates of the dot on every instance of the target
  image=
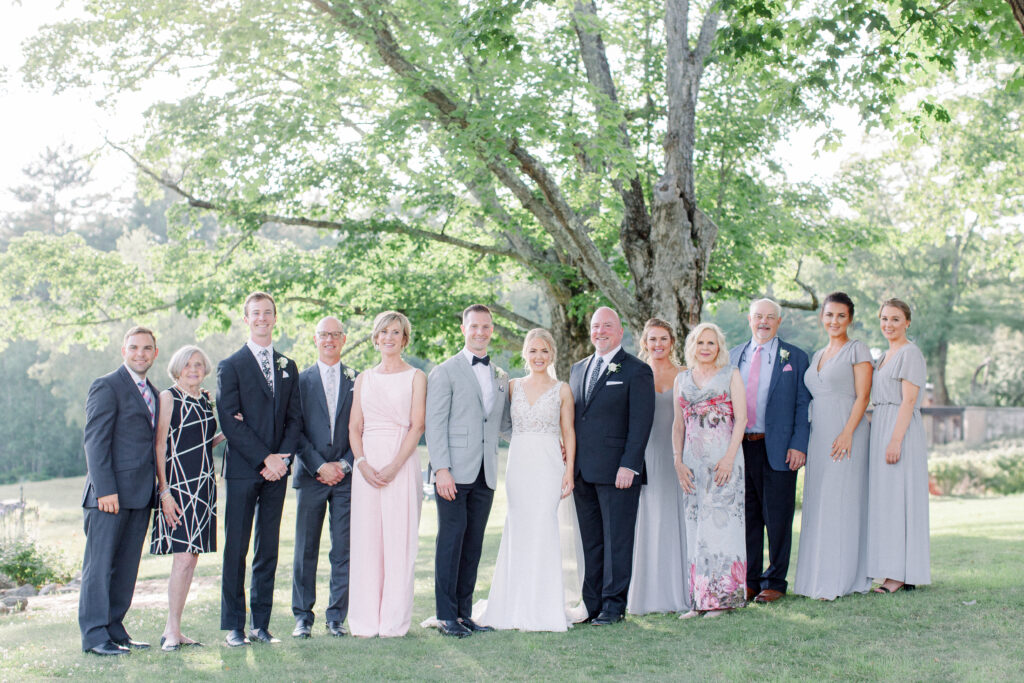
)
(690, 348)
(182, 356)
(773, 302)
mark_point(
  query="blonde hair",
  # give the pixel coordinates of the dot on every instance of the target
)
(690, 351)
(645, 354)
(386, 318)
(181, 358)
(544, 336)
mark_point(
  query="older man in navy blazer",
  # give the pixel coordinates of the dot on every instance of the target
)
(614, 396)
(259, 413)
(321, 480)
(774, 446)
(121, 414)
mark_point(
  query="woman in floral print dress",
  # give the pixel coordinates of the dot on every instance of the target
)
(707, 432)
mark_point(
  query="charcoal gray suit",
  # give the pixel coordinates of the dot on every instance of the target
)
(120, 439)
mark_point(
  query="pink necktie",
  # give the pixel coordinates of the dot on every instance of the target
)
(753, 380)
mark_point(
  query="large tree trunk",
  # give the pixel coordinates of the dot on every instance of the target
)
(1018, 11)
(940, 392)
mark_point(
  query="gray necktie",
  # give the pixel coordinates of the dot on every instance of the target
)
(332, 394)
(594, 376)
(268, 373)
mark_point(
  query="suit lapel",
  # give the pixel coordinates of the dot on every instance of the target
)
(254, 366)
(344, 395)
(318, 390)
(776, 369)
(139, 400)
(605, 374)
(467, 370)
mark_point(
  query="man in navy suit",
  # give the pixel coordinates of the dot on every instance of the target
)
(614, 396)
(121, 414)
(324, 460)
(774, 446)
(259, 413)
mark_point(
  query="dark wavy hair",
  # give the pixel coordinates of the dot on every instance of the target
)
(838, 298)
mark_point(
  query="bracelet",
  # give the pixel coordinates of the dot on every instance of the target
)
(359, 460)
(166, 493)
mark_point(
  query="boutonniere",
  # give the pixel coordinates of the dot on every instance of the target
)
(784, 355)
(350, 373)
(499, 374)
(614, 367)
(209, 399)
(282, 362)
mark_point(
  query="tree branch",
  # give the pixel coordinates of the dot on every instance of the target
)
(520, 320)
(811, 305)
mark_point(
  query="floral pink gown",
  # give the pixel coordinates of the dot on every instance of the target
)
(715, 541)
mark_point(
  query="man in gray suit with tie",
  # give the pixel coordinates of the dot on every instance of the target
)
(466, 401)
(121, 414)
(321, 481)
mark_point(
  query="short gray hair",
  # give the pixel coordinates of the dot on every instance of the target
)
(690, 350)
(773, 302)
(182, 356)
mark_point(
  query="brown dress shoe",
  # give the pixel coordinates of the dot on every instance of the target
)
(750, 593)
(768, 595)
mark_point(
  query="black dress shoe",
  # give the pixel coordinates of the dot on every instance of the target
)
(606, 618)
(302, 629)
(236, 638)
(131, 644)
(453, 629)
(336, 629)
(473, 626)
(108, 648)
(262, 635)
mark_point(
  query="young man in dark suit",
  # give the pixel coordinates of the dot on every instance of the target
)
(321, 481)
(120, 436)
(259, 413)
(774, 446)
(614, 396)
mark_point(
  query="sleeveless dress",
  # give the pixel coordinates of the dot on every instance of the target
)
(833, 527)
(527, 592)
(715, 531)
(661, 581)
(190, 478)
(898, 542)
(385, 522)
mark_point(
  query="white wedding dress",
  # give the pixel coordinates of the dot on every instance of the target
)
(536, 578)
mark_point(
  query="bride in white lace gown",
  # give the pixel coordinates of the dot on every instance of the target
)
(528, 589)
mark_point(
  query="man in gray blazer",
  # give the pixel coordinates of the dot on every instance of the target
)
(321, 481)
(121, 414)
(466, 403)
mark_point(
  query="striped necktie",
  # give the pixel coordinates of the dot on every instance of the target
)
(148, 398)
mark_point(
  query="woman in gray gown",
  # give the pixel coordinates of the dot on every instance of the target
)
(660, 571)
(832, 559)
(898, 543)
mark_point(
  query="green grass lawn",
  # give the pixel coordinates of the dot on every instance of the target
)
(966, 626)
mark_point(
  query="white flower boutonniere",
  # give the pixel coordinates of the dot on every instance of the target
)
(784, 355)
(350, 373)
(282, 362)
(614, 367)
(499, 374)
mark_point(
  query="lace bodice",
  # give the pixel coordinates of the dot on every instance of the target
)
(543, 417)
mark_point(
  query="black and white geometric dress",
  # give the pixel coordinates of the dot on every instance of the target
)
(190, 477)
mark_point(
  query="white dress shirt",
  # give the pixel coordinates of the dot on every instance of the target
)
(606, 359)
(483, 378)
(256, 351)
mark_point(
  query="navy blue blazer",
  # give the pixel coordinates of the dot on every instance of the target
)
(271, 420)
(785, 414)
(316, 443)
(120, 442)
(612, 429)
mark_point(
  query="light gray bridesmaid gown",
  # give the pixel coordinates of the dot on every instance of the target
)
(660, 570)
(898, 543)
(832, 559)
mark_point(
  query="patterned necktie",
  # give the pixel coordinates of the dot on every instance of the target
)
(148, 398)
(331, 388)
(753, 382)
(596, 375)
(268, 373)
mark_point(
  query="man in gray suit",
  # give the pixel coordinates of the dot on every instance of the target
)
(466, 400)
(324, 460)
(121, 414)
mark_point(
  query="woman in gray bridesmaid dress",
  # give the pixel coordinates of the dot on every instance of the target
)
(898, 543)
(832, 559)
(660, 571)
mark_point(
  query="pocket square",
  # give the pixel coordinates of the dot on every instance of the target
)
(788, 368)
(284, 373)
(612, 383)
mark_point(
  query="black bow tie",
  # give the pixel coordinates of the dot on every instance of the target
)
(486, 360)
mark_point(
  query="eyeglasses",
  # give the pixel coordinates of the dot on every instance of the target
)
(330, 335)
(770, 317)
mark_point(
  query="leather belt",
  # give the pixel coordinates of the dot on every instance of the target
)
(753, 436)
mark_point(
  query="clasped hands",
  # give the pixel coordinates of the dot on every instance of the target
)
(377, 478)
(330, 474)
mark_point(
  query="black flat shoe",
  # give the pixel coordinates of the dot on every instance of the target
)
(336, 629)
(302, 629)
(473, 626)
(453, 629)
(132, 644)
(606, 619)
(236, 638)
(108, 649)
(262, 635)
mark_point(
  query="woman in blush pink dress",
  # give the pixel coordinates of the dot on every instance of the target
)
(386, 423)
